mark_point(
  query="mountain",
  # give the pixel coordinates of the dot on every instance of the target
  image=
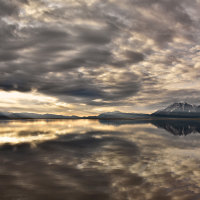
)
(8, 115)
(120, 115)
(179, 110)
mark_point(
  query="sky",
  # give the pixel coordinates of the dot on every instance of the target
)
(86, 57)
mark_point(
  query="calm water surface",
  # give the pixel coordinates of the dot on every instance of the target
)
(100, 160)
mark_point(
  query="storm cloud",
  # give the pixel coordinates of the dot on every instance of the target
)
(101, 53)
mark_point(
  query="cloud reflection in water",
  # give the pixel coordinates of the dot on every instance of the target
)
(85, 159)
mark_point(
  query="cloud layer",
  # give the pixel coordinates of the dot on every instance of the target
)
(135, 54)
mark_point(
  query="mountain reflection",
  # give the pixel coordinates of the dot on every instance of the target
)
(178, 127)
(173, 126)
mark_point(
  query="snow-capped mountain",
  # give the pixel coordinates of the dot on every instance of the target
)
(179, 110)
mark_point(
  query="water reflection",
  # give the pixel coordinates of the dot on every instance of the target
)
(179, 127)
(34, 131)
(173, 126)
(85, 159)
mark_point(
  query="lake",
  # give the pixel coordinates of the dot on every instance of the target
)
(100, 160)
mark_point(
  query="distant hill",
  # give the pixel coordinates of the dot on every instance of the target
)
(120, 115)
(8, 115)
(183, 110)
(107, 115)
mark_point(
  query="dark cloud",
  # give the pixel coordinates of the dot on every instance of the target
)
(90, 35)
(170, 7)
(134, 57)
(48, 34)
(8, 7)
(7, 32)
(126, 85)
(8, 56)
